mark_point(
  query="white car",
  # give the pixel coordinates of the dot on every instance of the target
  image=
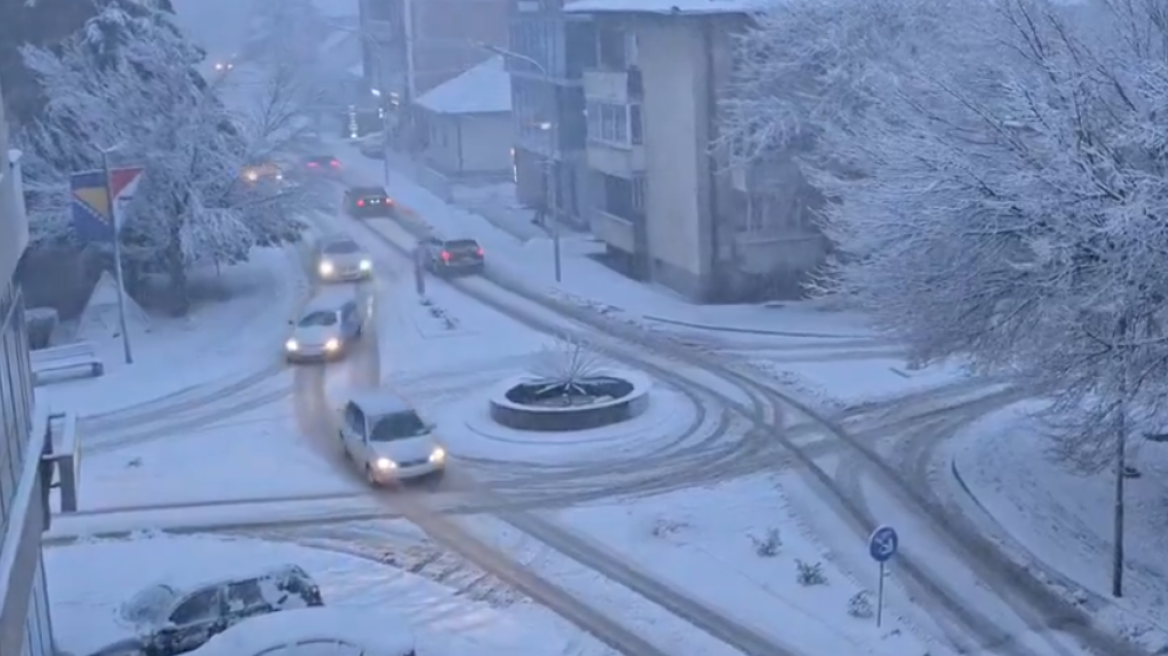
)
(325, 331)
(340, 258)
(387, 439)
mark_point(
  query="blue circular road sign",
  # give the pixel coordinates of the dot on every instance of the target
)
(883, 544)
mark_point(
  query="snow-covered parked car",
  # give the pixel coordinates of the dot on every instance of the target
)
(171, 622)
(316, 632)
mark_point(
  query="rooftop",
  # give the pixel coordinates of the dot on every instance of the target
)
(484, 89)
(667, 7)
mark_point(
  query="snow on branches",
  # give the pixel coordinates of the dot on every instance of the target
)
(129, 84)
(1010, 208)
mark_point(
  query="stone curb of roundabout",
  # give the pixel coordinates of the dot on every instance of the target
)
(632, 402)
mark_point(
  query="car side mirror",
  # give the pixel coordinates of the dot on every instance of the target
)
(291, 322)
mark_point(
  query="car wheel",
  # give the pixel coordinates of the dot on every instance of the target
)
(434, 480)
(344, 447)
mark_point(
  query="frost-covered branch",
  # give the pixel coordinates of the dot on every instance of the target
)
(1011, 208)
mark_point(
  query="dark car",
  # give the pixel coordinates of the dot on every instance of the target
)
(369, 201)
(322, 164)
(452, 256)
(174, 622)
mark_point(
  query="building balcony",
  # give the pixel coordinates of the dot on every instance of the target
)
(616, 231)
(614, 87)
(620, 160)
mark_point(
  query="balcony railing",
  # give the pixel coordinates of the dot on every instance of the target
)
(618, 87)
(621, 160)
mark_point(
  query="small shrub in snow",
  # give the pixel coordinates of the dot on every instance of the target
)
(860, 605)
(769, 546)
(810, 573)
(449, 322)
(665, 527)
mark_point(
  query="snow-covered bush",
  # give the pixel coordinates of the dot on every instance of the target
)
(769, 545)
(808, 574)
(860, 605)
(128, 83)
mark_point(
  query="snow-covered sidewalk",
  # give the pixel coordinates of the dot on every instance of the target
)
(1047, 515)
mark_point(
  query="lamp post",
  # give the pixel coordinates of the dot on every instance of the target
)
(549, 162)
(117, 229)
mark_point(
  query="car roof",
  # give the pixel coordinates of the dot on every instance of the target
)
(336, 239)
(316, 157)
(367, 190)
(380, 401)
(367, 631)
(467, 240)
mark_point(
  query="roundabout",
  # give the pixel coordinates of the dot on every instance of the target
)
(536, 404)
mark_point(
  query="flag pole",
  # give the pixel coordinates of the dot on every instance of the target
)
(117, 228)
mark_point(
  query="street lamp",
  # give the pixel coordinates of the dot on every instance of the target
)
(549, 161)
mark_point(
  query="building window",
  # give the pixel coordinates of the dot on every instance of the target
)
(611, 51)
(636, 130)
(608, 123)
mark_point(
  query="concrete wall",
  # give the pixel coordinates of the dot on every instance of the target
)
(673, 63)
(470, 145)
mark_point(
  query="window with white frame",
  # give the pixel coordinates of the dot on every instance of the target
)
(611, 123)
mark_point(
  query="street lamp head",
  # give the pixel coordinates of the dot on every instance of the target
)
(545, 125)
(376, 92)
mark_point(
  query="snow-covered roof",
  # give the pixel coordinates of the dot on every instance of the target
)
(667, 7)
(484, 89)
(338, 8)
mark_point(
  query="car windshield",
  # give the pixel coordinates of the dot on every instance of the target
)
(316, 319)
(398, 426)
(341, 248)
(462, 245)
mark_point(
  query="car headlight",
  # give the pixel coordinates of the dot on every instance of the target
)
(332, 345)
(385, 464)
(438, 455)
(252, 176)
(279, 176)
(291, 345)
(365, 265)
(326, 268)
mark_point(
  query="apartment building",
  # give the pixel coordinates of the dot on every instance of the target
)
(551, 49)
(25, 621)
(411, 47)
(668, 201)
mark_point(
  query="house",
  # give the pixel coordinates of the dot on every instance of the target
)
(667, 203)
(551, 49)
(412, 47)
(468, 123)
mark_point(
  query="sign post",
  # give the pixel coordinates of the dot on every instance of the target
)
(882, 546)
(420, 271)
(96, 196)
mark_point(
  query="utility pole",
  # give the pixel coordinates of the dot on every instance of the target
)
(117, 228)
(1121, 428)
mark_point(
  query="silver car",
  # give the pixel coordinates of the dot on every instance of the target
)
(340, 258)
(325, 331)
(388, 441)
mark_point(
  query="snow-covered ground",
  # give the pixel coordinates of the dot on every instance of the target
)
(737, 546)
(235, 331)
(1043, 511)
(89, 581)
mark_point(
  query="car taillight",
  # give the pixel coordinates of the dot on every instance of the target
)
(334, 163)
(480, 251)
(361, 203)
(445, 256)
(312, 165)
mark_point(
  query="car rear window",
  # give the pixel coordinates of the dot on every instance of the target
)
(462, 245)
(321, 159)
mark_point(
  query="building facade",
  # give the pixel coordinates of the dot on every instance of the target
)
(25, 621)
(691, 221)
(551, 50)
(411, 47)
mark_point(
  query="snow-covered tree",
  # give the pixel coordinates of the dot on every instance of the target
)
(1011, 208)
(802, 65)
(129, 83)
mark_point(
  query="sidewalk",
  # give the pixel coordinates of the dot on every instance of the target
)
(1044, 513)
